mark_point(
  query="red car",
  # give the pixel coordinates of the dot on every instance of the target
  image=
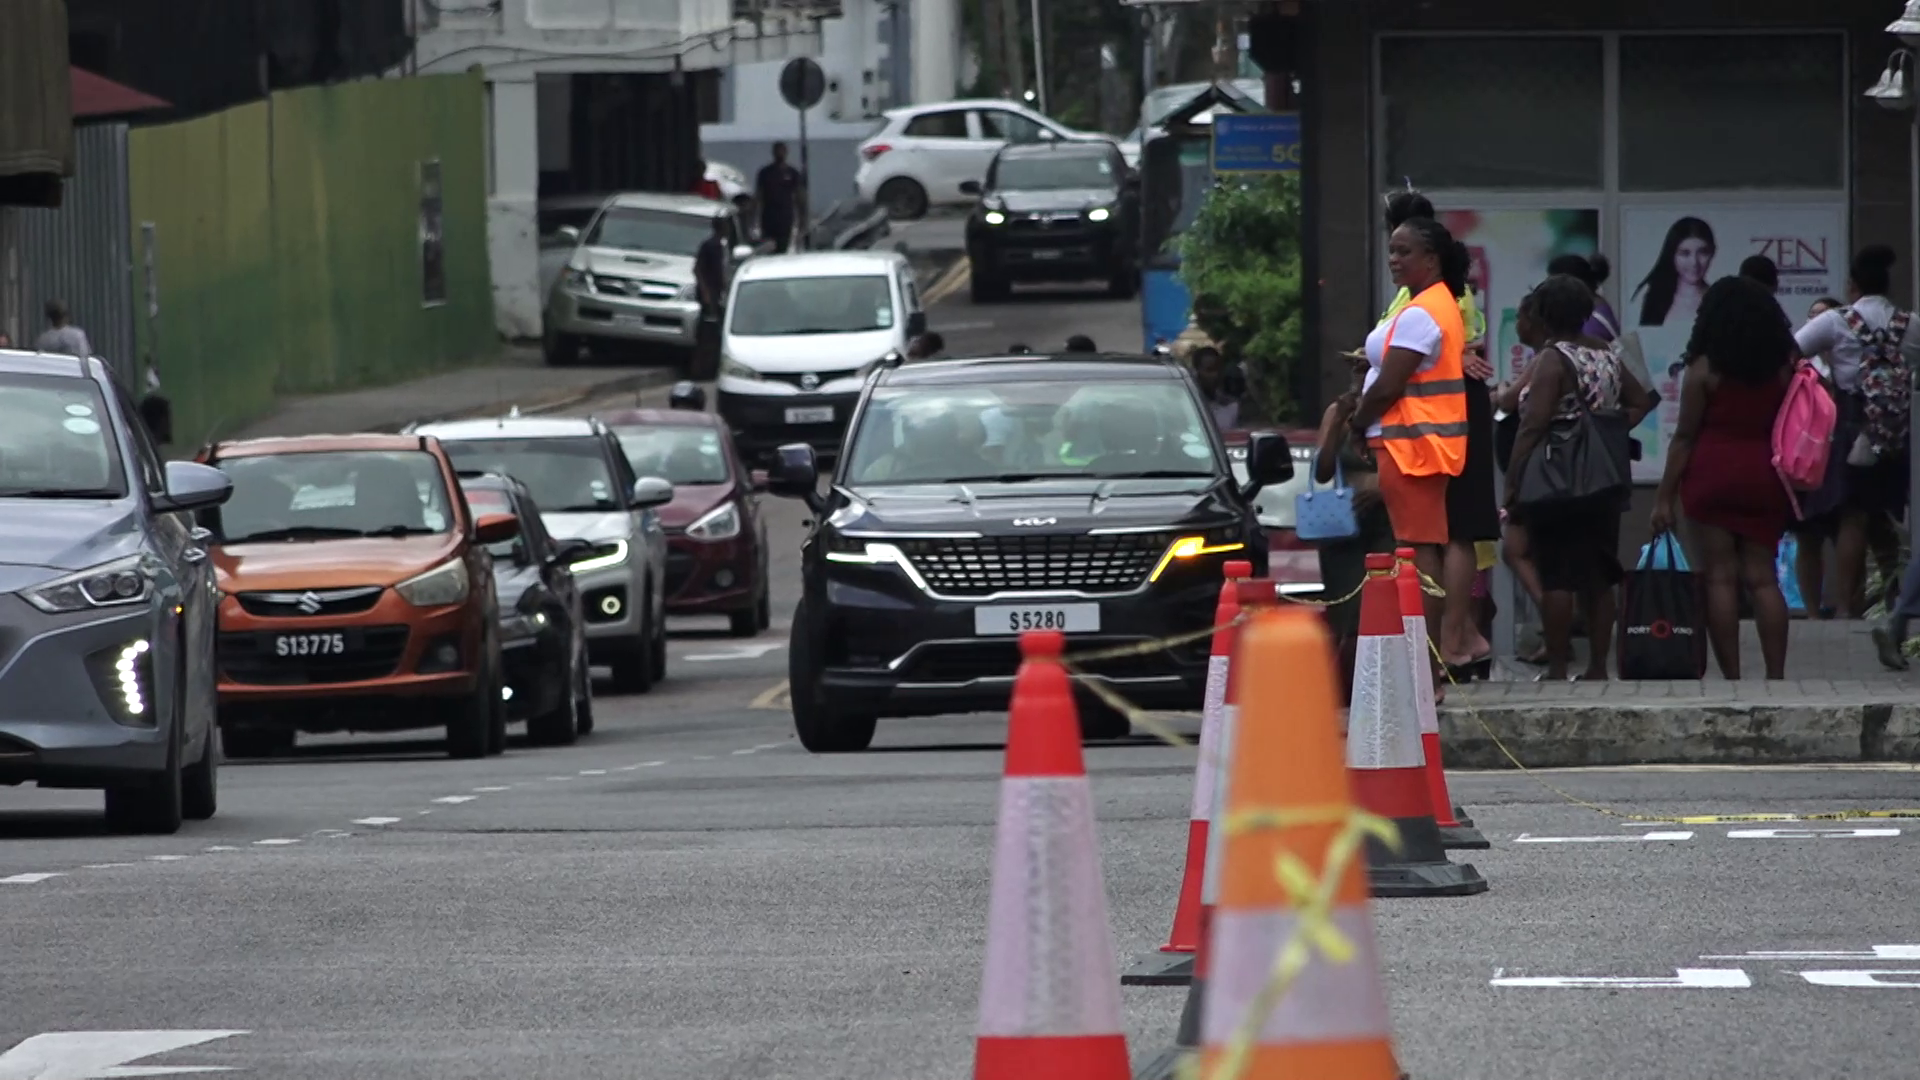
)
(1293, 565)
(716, 539)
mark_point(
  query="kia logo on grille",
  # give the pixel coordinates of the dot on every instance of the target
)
(1029, 523)
(309, 603)
(809, 381)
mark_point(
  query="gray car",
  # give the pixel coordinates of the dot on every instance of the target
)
(107, 599)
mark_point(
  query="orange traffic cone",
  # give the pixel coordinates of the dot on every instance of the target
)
(1172, 965)
(1049, 1001)
(1456, 829)
(1383, 751)
(1332, 1021)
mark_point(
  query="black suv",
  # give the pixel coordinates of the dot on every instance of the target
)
(976, 499)
(1055, 211)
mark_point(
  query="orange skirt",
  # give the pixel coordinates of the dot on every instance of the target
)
(1416, 505)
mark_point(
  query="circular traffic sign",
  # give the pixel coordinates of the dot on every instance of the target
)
(802, 83)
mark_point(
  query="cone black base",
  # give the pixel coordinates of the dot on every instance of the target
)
(1460, 817)
(1463, 837)
(1164, 1066)
(1420, 867)
(1159, 969)
(1189, 1034)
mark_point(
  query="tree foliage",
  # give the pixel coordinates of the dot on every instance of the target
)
(1241, 260)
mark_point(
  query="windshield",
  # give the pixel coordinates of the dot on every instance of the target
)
(1054, 172)
(812, 305)
(491, 500)
(54, 442)
(1030, 430)
(678, 455)
(1274, 504)
(562, 475)
(651, 230)
(333, 494)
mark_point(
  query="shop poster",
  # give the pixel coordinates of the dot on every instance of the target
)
(1669, 255)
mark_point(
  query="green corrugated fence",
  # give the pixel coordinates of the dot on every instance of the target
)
(288, 235)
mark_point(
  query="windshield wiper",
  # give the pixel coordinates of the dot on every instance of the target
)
(1001, 478)
(59, 493)
(598, 508)
(295, 532)
(399, 530)
(1154, 474)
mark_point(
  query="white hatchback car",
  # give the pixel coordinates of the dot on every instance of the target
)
(802, 334)
(921, 154)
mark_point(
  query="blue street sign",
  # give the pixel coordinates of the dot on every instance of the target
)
(1256, 142)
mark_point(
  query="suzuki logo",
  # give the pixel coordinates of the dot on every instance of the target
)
(309, 603)
(809, 381)
(1030, 523)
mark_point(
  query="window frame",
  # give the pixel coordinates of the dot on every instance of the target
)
(907, 132)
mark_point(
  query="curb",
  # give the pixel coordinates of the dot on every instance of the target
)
(1869, 728)
(631, 381)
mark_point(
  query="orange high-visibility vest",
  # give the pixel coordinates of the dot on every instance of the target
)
(1426, 430)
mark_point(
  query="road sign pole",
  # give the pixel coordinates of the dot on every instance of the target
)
(806, 188)
(802, 85)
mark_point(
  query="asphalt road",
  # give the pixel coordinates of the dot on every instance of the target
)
(686, 893)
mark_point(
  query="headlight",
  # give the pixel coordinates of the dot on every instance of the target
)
(720, 523)
(115, 584)
(1217, 542)
(515, 625)
(575, 278)
(730, 369)
(605, 553)
(994, 217)
(439, 587)
(690, 291)
(1099, 213)
(873, 554)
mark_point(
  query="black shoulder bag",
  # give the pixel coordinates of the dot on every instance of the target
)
(1581, 459)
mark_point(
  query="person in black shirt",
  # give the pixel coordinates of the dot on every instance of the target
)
(778, 189)
(710, 278)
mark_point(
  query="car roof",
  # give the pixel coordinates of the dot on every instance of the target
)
(962, 103)
(1032, 367)
(1058, 146)
(510, 427)
(34, 362)
(660, 418)
(315, 444)
(811, 264)
(690, 205)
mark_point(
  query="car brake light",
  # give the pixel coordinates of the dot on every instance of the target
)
(874, 151)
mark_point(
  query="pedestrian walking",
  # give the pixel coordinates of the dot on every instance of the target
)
(1720, 464)
(61, 336)
(710, 273)
(1573, 548)
(1603, 325)
(1210, 371)
(1868, 346)
(779, 191)
(1813, 532)
(1761, 271)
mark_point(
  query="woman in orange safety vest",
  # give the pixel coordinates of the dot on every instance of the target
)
(1414, 408)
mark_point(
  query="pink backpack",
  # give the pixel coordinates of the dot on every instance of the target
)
(1803, 434)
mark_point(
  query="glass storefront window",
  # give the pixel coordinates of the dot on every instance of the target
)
(1494, 113)
(1733, 112)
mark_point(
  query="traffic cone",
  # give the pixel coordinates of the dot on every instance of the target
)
(1172, 964)
(1332, 1021)
(1254, 596)
(1049, 1001)
(1456, 828)
(1383, 751)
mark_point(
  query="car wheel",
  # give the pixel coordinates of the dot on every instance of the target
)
(763, 611)
(821, 730)
(1124, 284)
(200, 784)
(745, 623)
(470, 728)
(657, 650)
(155, 805)
(497, 723)
(633, 668)
(559, 726)
(583, 708)
(903, 198)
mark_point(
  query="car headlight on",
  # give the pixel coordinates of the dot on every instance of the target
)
(720, 523)
(1217, 542)
(994, 217)
(733, 369)
(441, 586)
(605, 553)
(115, 584)
(874, 554)
(1099, 213)
(515, 625)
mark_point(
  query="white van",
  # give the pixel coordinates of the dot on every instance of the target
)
(802, 334)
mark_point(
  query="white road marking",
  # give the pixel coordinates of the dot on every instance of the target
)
(1525, 838)
(222, 847)
(422, 813)
(749, 651)
(1806, 834)
(748, 750)
(375, 820)
(557, 779)
(1864, 979)
(770, 746)
(113, 865)
(593, 772)
(455, 800)
(89, 1055)
(1879, 952)
(1687, 978)
(165, 858)
(703, 757)
(28, 879)
(626, 768)
(276, 842)
(490, 790)
(651, 764)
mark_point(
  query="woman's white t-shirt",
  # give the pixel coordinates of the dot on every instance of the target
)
(1826, 335)
(1412, 329)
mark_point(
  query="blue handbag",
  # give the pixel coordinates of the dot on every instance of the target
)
(1328, 514)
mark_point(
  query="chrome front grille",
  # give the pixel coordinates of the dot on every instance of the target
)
(1114, 563)
(637, 288)
(310, 603)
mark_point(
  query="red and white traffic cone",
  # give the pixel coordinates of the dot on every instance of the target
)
(1456, 829)
(1172, 964)
(1049, 1001)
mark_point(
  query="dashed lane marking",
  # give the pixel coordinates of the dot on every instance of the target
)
(166, 858)
(748, 750)
(455, 800)
(593, 772)
(490, 790)
(376, 821)
(736, 652)
(27, 879)
(275, 842)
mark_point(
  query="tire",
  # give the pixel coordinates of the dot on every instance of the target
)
(583, 710)
(763, 612)
(153, 806)
(559, 726)
(470, 728)
(559, 350)
(243, 742)
(633, 671)
(1124, 285)
(497, 720)
(821, 730)
(657, 649)
(904, 199)
(200, 783)
(745, 623)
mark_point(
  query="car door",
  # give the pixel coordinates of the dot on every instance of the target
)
(909, 303)
(943, 149)
(561, 595)
(181, 545)
(646, 520)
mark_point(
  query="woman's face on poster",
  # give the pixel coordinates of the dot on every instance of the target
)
(1692, 259)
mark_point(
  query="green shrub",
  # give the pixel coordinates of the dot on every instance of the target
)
(1241, 261)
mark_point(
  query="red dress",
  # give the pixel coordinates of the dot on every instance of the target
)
(1730, 482)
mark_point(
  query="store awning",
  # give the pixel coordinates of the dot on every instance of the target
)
(36, 117)
(97, 96)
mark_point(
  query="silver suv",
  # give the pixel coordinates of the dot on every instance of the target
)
(630, 278)
(586, 490)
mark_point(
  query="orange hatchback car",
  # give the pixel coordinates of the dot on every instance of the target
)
(356, 594)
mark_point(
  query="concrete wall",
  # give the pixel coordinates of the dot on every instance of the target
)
(288, 239)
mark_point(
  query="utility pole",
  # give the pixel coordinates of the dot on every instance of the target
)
(1016, 66)
(1039, 60)
(993, 41)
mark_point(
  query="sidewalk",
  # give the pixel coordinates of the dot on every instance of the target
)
(1836, 704)
(517, 378)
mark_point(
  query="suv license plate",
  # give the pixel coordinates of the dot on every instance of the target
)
(1046, 253)
(289, 645)
(1007, 619)
(818, 414)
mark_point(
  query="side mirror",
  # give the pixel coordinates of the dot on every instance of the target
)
(496, 528)
(743, 252)
(757, 480)
(970, 187)
(568, 552)
(1048, 135)
(1131, 183)
(916, 324)
(569, 233)
(795, 475)
(651, 491)
(192, 486)
(1269, 461)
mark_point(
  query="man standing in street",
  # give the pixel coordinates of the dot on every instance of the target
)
(62, 336)
(778, 191)
(710, 278)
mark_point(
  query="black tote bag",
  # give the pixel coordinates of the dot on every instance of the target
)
(1662, 634)
(1585, 459)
